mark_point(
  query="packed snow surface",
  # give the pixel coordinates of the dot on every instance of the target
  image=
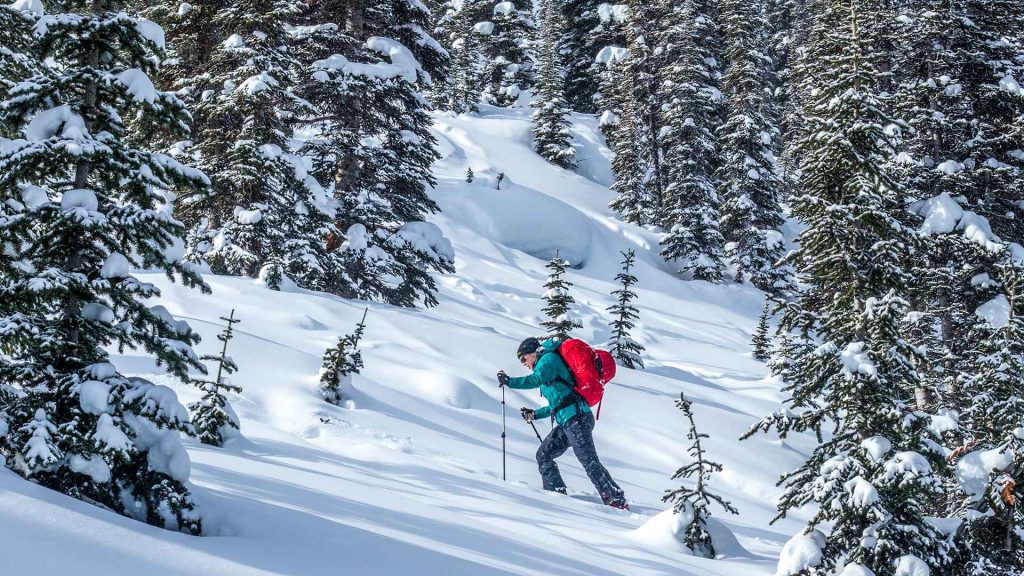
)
(406, 478)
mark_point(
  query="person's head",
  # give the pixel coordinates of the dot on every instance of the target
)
(528, 352)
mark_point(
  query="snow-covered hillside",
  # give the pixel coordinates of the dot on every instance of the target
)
(407, 478)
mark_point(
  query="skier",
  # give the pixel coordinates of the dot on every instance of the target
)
(567, 408)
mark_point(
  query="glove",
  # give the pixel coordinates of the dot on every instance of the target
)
(527, 414)
(502, 378)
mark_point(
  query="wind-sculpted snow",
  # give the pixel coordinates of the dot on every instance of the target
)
(406, 476)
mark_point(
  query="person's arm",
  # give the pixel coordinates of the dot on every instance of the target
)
(534, 380)
(542, 413)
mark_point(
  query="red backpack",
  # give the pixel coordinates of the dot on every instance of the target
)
(591, 369)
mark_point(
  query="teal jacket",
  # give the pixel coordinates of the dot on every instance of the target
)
(555, 381)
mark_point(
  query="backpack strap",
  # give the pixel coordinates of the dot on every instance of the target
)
(572, 399)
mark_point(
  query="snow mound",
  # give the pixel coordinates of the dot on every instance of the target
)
(801, 552)
(667, 530)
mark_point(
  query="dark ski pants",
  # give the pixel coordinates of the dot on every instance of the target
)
(578, 433)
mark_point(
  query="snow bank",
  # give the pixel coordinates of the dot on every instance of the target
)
(667, 530)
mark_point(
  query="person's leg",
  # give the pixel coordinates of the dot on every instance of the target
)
(552, 447)
(580, 433)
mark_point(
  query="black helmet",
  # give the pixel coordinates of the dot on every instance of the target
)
(529, 346)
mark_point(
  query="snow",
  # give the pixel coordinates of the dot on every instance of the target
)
(942, 215)
(151, 31)
(1010, 84)
(59, 121)
(248, 216)
(996, 311)
(877, 447)
(115, 266)
(484, 28)
(862, 493)
(32, 6)
(407, 479)
(856, 361)
(257, 83)
(96, 312)
(184, 8)
(504, 8)
(854, 569)
(93, 467)
(911, 566)
(617, 13)
(33, 196)
(110, 436)
(666, 530)
(403, 63)
(611, 55)
(94, 397)
(950, 167)
(974, 469)
(801, 552)
(138, 84)
(234, 41)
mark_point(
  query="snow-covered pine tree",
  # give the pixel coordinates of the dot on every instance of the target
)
(551, 135)
(624, 348)
(692, 108)
(990, 541)
(263, 204)
(637, 166)
(212, 416)
(788, 27)
(558, 301)
(372, 144)
(589, 27)
(931, 99)
(761, 342)
(15, 58)
(748, 180)
(340, 363)
(849, 366)
(508, 64)
(458, 29)
(695, 502)
(80, 205)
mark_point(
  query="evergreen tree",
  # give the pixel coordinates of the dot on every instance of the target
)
(748, 180)
(639, 181)
(371, 144)
(761, 341)
(589, 27)
(81, 203)
(508, 67)
(625, 350)
(552, 139)
(697, 500)
(990, 541)
(558, 301)
(458, 28)
(848, 363)
(262, 206)
(213, 417)
(340, 363)
(691, 206)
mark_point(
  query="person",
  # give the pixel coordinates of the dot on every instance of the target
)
(575, 421)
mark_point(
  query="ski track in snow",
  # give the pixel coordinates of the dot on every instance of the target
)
(407, 478)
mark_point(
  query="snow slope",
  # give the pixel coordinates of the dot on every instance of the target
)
(407, 478)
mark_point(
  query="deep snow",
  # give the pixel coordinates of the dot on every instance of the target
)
(407, 478)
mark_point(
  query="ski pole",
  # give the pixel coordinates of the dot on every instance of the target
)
(503, 433)
(534, 426)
